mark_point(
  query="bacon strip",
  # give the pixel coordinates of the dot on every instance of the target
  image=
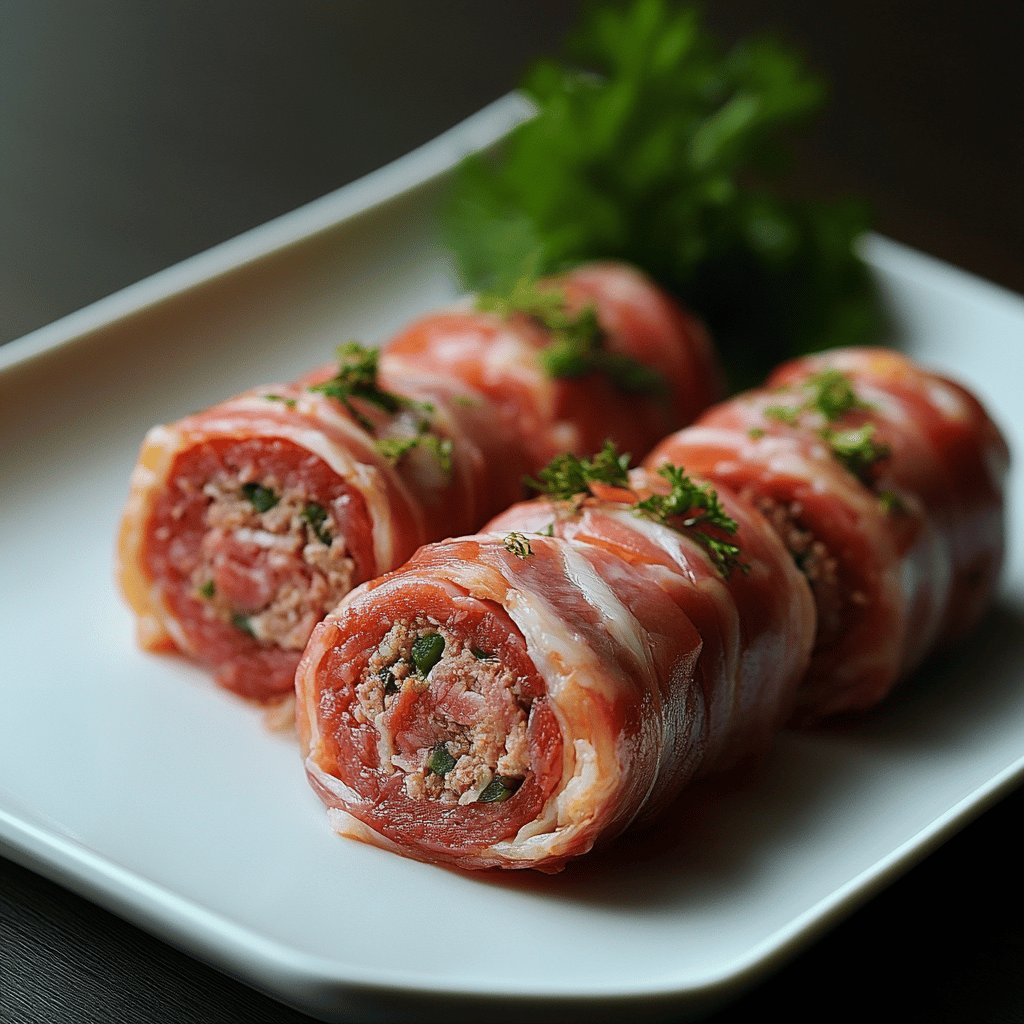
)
(635, 667)
(595, 661)
(902, 556)
(247, 522)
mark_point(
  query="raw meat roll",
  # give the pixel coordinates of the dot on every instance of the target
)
(511, 699)
(247, 522)
(885, 481)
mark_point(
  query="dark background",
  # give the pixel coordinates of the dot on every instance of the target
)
(133, 134)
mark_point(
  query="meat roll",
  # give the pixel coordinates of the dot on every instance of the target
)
(247, 522)
(885, 481)
(511, 699)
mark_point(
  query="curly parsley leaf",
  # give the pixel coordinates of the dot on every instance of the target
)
(697, 508)
(567, 476)
(656, 146)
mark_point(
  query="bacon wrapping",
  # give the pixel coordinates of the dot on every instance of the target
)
(511, 699)
(247, 522)
(885, 482)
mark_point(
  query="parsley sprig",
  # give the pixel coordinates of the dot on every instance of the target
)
(831, 395)
(577, 339)
(654, 144)
(566, 476)
(698, 509)
(689, 506)
(357, 379)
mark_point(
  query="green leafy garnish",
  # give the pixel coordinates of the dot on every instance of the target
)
(481, 655)
(652, 144)
(891, 503)
(518, 545)
(566, 476)
(499, 789)
(357, 378)
(261, 498)
(427, 651)
(289, 402)
(440, 761)
(577, 340)
(857, 449)
(208, 589)
(395, 448)
(700, 508)
(832, 394)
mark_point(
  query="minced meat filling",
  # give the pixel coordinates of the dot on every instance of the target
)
(815, 561)
(463, 732)
(270, 562)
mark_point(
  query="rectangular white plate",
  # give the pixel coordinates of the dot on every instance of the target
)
(130, 779)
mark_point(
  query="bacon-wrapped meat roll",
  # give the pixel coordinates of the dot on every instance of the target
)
(247, 522)
(510, 699)
(886, 483)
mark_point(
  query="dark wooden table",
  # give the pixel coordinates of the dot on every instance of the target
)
(133, 135)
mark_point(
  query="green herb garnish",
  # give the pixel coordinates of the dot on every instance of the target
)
(289, 402)
(832, 394)
(652, 144)
(395, 448)
(481, 655)
(857, 449)
(700, 508)
(427, 651)
(518, 545)
(208, 589)
(566, 476)
(440, 761)
(263, 499)
(357, 378)
(499, 789)
(891, 503)
(577, 340)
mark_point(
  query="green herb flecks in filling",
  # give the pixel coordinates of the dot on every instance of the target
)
(499, 789)
(263, 499)
(427, 651)
(440, 761)
(316, 516)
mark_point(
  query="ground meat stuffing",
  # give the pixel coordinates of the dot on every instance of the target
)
(814, 561)
(270, 563)
(463, 732)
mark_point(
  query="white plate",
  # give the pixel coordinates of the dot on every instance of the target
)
(130, 779)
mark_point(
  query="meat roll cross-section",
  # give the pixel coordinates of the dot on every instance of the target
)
(511, 699)
(885, 481)
(247, 522)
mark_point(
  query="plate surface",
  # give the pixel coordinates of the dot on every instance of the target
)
(130, 779)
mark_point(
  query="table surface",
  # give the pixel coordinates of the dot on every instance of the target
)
(133, 135)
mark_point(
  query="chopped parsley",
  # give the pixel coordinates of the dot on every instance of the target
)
(316, 516)
(208, 590)
(567, 476)
(394, 449)
(577, 339)
(700, 509)
(289, 402)
(499, 789)
(857, 450)
(389, 679)
(242, 623)
(518, 545)
(427, 651)
(263, 499)
(440, 761)
(357, 379)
